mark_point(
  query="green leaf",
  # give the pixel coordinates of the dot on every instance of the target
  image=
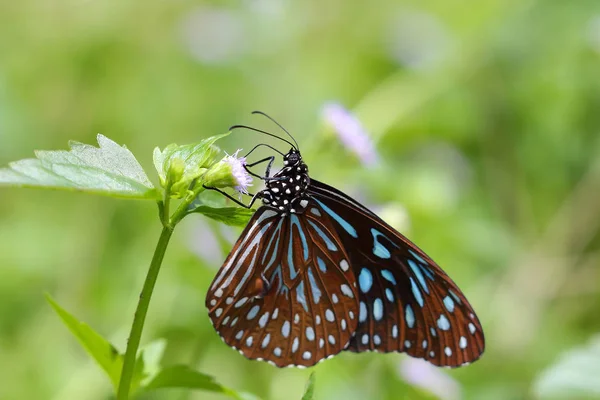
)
(109, 170)
(105, 354)
(235, 216)
(574, 376)
(213, 205)
(183, 164)
(181, 376)
(151, 355)
(310, 388)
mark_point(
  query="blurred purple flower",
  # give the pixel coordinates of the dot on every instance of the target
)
(351, 133)
(421, 374)
(242, 178)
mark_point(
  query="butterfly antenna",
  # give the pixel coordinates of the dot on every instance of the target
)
(263, 132)
(279, 125)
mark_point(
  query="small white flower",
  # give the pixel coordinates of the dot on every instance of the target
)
(229, 172)
(351, 133)
(240, 175)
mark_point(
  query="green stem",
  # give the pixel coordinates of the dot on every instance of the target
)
(140, 313)
(142, 308)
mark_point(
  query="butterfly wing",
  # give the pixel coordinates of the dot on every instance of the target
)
(286, 293)
(407, 302)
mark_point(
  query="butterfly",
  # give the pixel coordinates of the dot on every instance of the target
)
(315, 273)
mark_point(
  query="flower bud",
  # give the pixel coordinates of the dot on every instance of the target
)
(229, 172)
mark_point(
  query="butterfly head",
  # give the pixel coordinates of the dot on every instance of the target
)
(292, 158)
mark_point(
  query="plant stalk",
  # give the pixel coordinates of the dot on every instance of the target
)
(140, 314)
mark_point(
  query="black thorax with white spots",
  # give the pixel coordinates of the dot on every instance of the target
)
(286, 190)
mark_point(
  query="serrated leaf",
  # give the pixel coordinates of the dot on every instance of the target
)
(109, 170)
(234, 216)
(310, 388)
(105, 354)
(574, 376)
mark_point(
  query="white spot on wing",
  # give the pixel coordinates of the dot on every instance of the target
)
(344, 265)
(266, 341)
(329, 315)
(346, 290)
(471, 328)
(285, 329)
(263, 320)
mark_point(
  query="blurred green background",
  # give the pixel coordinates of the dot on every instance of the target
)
(486, 118)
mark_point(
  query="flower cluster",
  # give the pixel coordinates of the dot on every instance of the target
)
(229, 172)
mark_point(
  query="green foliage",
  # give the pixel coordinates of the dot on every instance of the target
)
(148, 375)
(185, 164)
(104, 353)
(110, 170)
(181, 376)
(234, 216)
(484, 114)
(310, 388)
(574, 376)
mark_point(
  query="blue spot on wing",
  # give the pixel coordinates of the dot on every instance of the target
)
(344, 224)
(448, 303)
(300, 295)
(389, 294)
(443, 323)
(388, 276)
(378, 249)
(322, 265)
(330, 245)
(365, 280)
(416, 292)
(295, 221)
(314, 287)
(293, 272)
(378, 309)
(416, 256)
(455, 297)
(275, 236)
(409, 316)
(427, 271)
(417, 272)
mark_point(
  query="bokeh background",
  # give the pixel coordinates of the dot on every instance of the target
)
(485, 123)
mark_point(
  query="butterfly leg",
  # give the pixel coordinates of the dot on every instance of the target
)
(230, 197)
(267, 171)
